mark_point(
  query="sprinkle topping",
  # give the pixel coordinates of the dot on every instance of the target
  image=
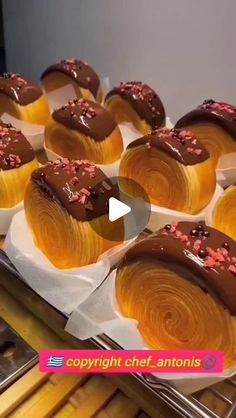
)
(80, 71)
(210, 258)
(18, 88)
(141, 92)
(14, 148)
(80, 186)
(87, 117)
(223, 107)
(143, 99)
(181, 145)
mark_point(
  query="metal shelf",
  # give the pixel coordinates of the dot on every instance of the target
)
(217, 401)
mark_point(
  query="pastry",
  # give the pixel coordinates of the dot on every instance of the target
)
(138, 104)
(65, 203)
(83, 78)
(17, 161)
(173, 167)
(180, 285)
(22, 99)
(214, 123)
(84, 129)
(223, 216)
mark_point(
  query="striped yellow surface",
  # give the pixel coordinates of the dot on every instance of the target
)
(69, 396)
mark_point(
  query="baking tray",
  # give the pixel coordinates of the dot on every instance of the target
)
(213, 402)
(16, 356)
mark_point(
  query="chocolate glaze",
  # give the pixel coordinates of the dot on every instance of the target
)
(219, 113)
(79, 186)
(81, 72)
(20, 89)
(179, 144)
(207, 257)
(143, 99)
(15, 150)
(89, 118)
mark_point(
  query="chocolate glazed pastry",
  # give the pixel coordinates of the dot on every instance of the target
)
(22, 98)
(63, 201)
(78, 73)
(223, 216)
(180, 285)
(136, 103)
(84, 129)
(17, 161)
(214, 123)
(172, 166)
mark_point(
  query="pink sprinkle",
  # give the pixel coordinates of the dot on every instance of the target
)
(148, 145)
(178, 234)
(82, 199)
(197, 245)
(198, 151)
(173, 227)
(232, 269)
(74, 198)
(85, 192)
(224, 252)
(184, 238)
(210, 262)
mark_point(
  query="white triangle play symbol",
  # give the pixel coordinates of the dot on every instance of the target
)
(117, 209)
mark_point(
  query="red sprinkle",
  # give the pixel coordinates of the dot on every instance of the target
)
(232, 269)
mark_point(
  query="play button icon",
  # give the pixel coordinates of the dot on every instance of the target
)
(128, 210)
(117, 209)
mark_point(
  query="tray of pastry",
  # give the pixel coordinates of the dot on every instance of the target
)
(61, 242)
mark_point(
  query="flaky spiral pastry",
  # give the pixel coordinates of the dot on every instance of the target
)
(168, 182)
(66, 242)
(180, 285)
(84, 130)
(216, 140)
(214, 123)
(17, 161)
(22, 99)
(66, 205)
(77, 73)
(73, 144)
(136, 103)
(13, 184)
(172, 313)
(224, 213)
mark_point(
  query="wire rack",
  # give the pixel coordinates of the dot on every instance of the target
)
(216, 401)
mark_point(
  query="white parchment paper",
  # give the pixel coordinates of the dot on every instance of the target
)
(226, 169)
(64, 289)
(99, 314)
(161, 216)
(60, 97)
(211, 207)
(6, 215)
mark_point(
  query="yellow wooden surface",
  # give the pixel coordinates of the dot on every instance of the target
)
(19, 391)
